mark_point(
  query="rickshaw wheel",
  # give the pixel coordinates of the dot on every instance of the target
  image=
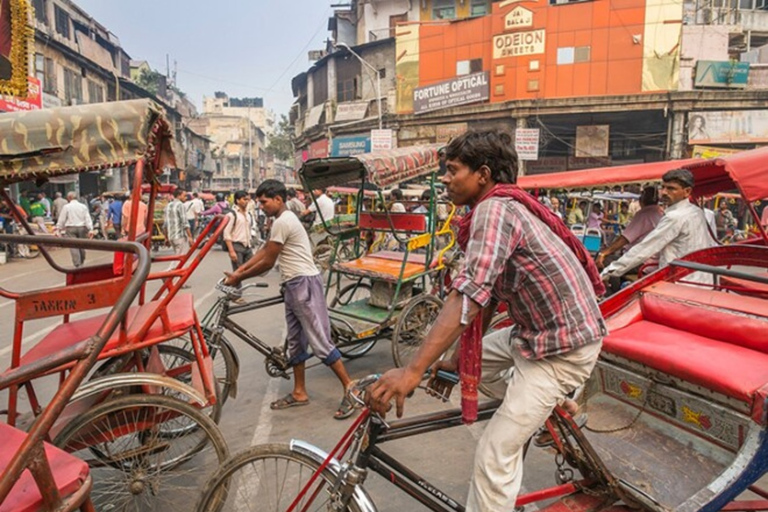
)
(134, 466)
(412, 326)
(351, 349)
(226, 365)
(174, 358)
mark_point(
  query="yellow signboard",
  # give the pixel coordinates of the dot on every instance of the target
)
(707, 152)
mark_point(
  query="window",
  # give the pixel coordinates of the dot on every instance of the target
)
(73, 87)
(40, 67)
(95, 92)
(533, 85)
(465, 67)
(581, 54)
(346, 90)
(394, 20)
(443, 9)
(51, 84)
(62, 21)
(570, 55)
(479, 8)
(39, 6)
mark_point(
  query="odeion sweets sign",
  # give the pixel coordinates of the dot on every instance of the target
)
(519, 43)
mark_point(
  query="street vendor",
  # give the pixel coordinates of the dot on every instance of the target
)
(518, 252)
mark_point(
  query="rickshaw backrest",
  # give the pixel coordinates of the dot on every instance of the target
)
(730, 318)
(410, 222)
(69, 299)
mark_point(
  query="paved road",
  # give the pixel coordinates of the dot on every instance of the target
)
(442, 458)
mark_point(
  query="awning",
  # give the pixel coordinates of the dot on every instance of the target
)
(59, 141)
(382, 168)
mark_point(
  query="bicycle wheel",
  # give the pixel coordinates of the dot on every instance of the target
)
(135, 464)
(267, 478)
(412, 326)
(351, 349)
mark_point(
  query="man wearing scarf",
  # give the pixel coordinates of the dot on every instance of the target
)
(518, 252)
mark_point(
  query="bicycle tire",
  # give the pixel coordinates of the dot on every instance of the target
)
(134, 469)
(223, 494)
(412, 326)
(352, 349)
(225, 362)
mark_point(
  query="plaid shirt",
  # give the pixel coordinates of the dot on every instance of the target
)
(514, 257)
(176, 224)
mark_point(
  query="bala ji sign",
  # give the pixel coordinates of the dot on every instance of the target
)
(517, 18)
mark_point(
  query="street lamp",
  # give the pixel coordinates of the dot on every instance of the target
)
(369, 66)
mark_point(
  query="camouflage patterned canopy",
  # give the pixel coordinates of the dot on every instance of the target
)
(382, 168)
(53, 142)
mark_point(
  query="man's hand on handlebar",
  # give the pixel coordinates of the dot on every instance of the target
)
(438, 387)
(231, 279)
(396, 384)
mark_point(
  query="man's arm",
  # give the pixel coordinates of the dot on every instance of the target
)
(652, 244)
(261, 262)
(616, 245)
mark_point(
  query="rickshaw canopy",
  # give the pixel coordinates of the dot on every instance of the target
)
(45, 143)
(382, 168)
(746, 171)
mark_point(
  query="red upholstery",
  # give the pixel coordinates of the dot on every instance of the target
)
(181, 316)
(745, 287)
(728, 369)
(732, 327)
(69, 473)
(413, 222)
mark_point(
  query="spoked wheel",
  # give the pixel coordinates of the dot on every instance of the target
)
(135, 464)
(412, 326)
(177, 363)
(351, 349)
(268, 478)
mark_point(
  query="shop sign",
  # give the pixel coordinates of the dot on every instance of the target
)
(518, 17)
(708, 152)
(546, 165)
(459, 91)
(348, 146)
(592, 140)
(447, 132)
(313, 115)
(728, 127)
(351, 111)
(381, 140)
(33, 101)
(527, 143)
(576, 163)
(51, 101)
(519, 43)
(723, 74)
(318, 149)
(299, 158)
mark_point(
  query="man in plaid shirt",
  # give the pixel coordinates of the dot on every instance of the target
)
(177, 233)
(526, 258)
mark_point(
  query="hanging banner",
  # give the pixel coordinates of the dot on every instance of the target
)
(728, 127)
(592, 141)
(15, 39)
(527, 143)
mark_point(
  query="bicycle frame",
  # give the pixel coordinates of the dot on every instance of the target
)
(391, 470)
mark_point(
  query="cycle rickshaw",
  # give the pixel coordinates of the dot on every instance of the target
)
(382, 293)
(151, 403)
(676, 404)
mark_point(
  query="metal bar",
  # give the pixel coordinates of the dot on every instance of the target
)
(545, 494)
(699, 267)
(746, 505)
(433, 422)
(758, 490)
(21, 374)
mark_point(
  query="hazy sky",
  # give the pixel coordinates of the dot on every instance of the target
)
(241, 47)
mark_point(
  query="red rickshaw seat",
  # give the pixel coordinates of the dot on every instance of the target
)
(705, 343)
(181, 317)
(69, 473)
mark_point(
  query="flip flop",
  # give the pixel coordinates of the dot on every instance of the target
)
(286, 402)
(346, 408)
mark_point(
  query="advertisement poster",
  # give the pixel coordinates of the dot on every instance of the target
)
(14, 43)
(33, 101)
(527, 143)
(592, 141)
(708, 152)
(728, 127)
(381, 140)
(350, 146)
(318, 149)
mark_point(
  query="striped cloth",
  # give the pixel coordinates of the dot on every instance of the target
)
(176, 224)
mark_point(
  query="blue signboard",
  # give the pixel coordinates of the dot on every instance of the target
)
(727, 74)
(348, 146)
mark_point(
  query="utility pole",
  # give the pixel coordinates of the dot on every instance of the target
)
(250, 149)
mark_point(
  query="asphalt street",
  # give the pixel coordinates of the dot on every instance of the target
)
(442, 458)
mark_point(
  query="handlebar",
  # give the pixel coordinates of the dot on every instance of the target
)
(357, 389)
(233, 292)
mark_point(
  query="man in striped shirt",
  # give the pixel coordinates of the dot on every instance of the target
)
(177, 233)
(521, 256)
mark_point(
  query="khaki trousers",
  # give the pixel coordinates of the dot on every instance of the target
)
(530, 390)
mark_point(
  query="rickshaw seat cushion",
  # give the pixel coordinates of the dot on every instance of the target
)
(420, 259)
(410, 222)
(379, 268)
(69, 473)
(181, 316)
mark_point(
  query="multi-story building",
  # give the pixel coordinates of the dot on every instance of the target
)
(592, 82)
(252, 108)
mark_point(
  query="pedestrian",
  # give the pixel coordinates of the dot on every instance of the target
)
(306, 311)
(294, 204)
(577, 214)
(176, 227)
(682, 230)
(75, 221)
(46, 203)
(237, 233)
(555, 207)
(595, 217)
(37, 213)
(520, 253)
(194, 208)
(322, 207)
(724, 220)
(397, 206)
(115, 214)
(125, 218)
(58, 204)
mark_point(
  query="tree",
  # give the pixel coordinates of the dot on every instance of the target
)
(280, 144)
(149, 80)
